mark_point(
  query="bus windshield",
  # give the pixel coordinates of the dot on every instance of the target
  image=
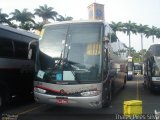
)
(137, 67)
(130, 66)
(155, 50)
(71, 52)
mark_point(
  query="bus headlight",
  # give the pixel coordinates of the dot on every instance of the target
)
(155, 70)
(39, 90)
(90, 93)
(130, 72)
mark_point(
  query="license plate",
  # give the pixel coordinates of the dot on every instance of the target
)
(62, 100)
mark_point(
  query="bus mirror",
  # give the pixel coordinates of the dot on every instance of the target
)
(29, 53)
(106, 42)
(106, 39)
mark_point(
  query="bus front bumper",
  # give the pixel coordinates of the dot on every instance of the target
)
(93, 102)
(156, 83)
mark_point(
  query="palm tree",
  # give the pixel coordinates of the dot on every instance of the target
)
(12, 24)
(122, 51)
(158, 33)
(132, 51)
(46, 13)
(66, 18)
(25, 18)
(27, 26)
(141, 53)
(152, 32)
(116, 26)
(129, 27)
(38, 26)
(3, 17)
(142, 29)
(113, 37)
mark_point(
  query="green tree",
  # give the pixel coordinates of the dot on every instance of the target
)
(142, 29)
(38, 26)
(46, 13)
(152, 32)
(66, 18)
(141, 54)
(12, 24)
(158, 33)
(128, 28)
(26, 26)
(122, 51)
(25, 18)
(116, 26)
(4, 17)
(136, 57)
(112, 37)
(131, 51)
(143, 51)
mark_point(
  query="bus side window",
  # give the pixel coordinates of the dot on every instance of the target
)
(6, 48)
(29, 54)
(21, 50)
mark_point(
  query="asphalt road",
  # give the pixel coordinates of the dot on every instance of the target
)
(134, 90)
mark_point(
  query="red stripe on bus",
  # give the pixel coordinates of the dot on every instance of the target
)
(42, 87)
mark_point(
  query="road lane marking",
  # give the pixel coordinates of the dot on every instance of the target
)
(138, 97)
(29, 110)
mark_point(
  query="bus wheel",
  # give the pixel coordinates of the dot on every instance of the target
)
(1, 101)
(124, 83)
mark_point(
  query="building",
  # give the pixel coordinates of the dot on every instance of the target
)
(96, 11)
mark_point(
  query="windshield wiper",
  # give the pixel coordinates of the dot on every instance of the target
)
(60, 63)
(68, 52)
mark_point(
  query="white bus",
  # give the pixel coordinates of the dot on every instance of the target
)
(17, 57)
(77, 65)
(130, 71)
(152, 68)
(138, 68)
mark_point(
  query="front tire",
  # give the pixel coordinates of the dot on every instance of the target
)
(1, 102)
(4, 98)
(124, 83)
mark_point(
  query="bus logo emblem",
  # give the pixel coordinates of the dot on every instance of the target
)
(62, 92)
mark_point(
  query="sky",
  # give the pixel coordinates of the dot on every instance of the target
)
(145, 12)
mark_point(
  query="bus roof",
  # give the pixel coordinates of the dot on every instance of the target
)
(4, 30)
(77, 21)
